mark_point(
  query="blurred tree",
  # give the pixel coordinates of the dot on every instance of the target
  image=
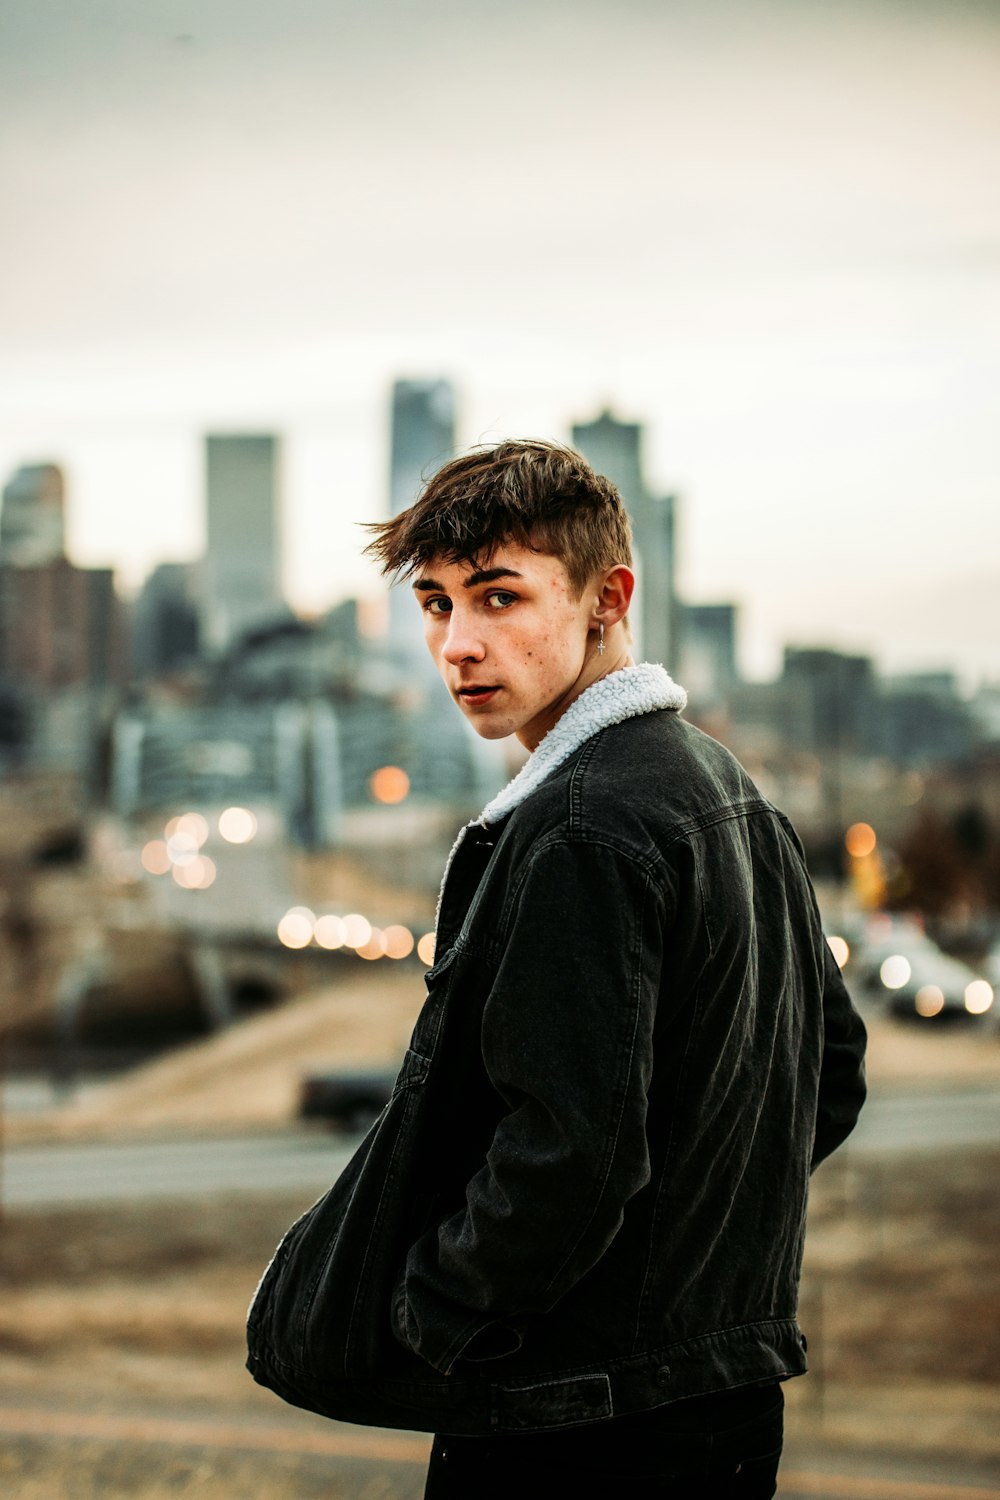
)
(972, 831)
(937, 875)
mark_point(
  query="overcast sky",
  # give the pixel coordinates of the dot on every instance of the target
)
(769, 229)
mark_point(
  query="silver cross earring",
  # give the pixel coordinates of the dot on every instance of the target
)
(600, 639)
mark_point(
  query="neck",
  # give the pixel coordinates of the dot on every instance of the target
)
(595, 667)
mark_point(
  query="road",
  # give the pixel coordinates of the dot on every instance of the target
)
(51, 1175)
(926, 1121)
(306, 1160)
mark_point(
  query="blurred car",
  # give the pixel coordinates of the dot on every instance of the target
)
(882, 936)
(346, 1099)
(926, 983)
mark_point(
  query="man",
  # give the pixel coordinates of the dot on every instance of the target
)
(571, 1244)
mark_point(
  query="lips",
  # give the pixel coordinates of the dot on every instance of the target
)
(480, 693)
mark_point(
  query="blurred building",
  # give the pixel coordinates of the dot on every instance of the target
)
(307, 760)
(706, 663)
(985, 710)
(63, 657)
(421, 439)
(166, 619)
(242, 566)
(923, 720)
(832, 700)
(614, 449)
(32, 520)
(171, 757)
(63, 637)
(836, 704)
(61, 627)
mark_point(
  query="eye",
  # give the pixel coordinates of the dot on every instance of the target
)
(440, 605)
(500, 599)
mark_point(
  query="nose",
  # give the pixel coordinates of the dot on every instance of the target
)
(463, 643)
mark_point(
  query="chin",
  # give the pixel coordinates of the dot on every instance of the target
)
(494, 731)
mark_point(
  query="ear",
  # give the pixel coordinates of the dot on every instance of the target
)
(613, 595)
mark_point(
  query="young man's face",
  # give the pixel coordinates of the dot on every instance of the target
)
(509, 638)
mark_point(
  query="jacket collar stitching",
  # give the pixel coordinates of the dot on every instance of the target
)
(622, 695)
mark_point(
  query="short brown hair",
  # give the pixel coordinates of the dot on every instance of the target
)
(523, 490)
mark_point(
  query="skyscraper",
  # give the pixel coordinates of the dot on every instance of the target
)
(61, 626)
(32, 521)
(422, 439)
(242, 564)
(614, 449)
(423, 436)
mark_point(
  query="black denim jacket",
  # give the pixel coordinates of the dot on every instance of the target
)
(587, 1195)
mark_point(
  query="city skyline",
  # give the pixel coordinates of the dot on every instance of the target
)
(765, 231)
(760, 656)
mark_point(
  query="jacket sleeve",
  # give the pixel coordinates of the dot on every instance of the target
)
(567, 1044)
(842, 1086)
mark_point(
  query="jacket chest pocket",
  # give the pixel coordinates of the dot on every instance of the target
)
(430, 1021)
(413, 1071)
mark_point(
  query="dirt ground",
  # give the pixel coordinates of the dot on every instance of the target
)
(137, 1312)
(248, 1076)
(121, 1334)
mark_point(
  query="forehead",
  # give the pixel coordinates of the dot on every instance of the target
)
(506, 557)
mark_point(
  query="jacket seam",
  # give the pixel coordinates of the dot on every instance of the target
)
(557, 839)
(630, 1061)
(361, 1284)
(657, 1351)
(726, 814)
(670, 1149)
(576, 784)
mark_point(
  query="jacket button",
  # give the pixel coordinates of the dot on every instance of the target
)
(663, 1375)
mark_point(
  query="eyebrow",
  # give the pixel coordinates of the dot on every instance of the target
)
(481, 575)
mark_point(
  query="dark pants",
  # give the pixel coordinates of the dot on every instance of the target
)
(707, 1448)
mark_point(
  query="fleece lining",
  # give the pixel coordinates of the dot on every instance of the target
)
(620, 695)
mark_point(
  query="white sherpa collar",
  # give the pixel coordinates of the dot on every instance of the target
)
(620, 695)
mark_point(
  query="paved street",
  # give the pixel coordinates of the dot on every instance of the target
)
(926, 1121)
(48, 1175)
(51, 1175)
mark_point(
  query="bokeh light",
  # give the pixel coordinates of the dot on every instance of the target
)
(196, 874)
(929, 1000)
(840, 950)
(860, 840)
(374, 947)
(425, 948)
(398, 941)
(357, 930)
(978, 997)
(389, 784)
(329, 931)
(237, 825)
(155, 857)
(895, 971)
(295, 930)
(191, 825)
(182, 847)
